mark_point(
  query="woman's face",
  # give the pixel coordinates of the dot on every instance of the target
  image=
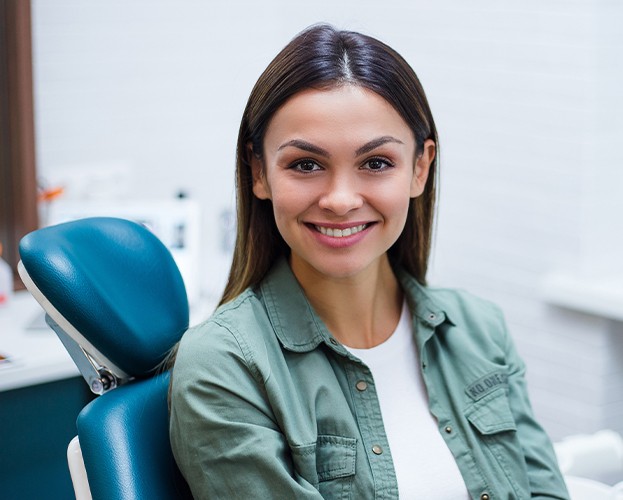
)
(340, 167)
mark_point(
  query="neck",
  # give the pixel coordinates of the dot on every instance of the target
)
(360, 311)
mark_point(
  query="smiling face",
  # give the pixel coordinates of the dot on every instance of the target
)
(340, 168)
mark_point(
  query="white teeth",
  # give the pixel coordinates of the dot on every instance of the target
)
(340, 233)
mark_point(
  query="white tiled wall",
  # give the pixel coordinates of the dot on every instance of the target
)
(527, 98)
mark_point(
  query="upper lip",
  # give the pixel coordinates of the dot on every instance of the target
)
(340, 225)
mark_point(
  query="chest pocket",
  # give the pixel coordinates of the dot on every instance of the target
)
(495, 425)
(491, 414)
(328, 464)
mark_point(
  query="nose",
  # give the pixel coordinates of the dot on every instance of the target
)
(341, 195)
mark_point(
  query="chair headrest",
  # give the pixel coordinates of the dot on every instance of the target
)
(116, 283)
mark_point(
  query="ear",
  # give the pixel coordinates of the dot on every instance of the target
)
(422, 168)
(260, 186)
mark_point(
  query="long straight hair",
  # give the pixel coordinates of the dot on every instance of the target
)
(322, 57)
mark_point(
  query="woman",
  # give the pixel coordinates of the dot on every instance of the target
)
(330, 370)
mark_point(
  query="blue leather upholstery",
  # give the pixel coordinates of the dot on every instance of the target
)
(124, 436)
(116, 283)
(119, 287)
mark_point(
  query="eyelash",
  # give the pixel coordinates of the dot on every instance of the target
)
(297, 165)
(388, 164)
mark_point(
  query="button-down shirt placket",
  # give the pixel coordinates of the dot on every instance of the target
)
(426, 324)
(370, 422)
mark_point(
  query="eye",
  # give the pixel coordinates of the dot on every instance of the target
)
(377, 164)
(305, 166)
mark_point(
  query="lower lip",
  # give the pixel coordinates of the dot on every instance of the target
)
(343, 242)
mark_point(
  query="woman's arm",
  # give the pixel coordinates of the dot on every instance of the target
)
(223, 431)
(544, 475)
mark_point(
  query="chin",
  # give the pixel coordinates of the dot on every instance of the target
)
(341, 269)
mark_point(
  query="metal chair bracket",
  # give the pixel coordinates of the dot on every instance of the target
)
(99, 378)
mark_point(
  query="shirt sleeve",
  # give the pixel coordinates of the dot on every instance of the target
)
(545, 478)
(223, 431)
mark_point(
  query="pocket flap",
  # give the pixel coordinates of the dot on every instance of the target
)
(335, 457)
(492, 414)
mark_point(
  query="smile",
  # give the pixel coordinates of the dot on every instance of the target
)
(340, 233)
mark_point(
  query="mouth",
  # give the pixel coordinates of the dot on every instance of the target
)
(340, 233)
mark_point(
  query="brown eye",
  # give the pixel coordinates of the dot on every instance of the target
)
(377, 164)
(305, 166)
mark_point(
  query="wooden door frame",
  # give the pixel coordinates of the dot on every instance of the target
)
(18, 184)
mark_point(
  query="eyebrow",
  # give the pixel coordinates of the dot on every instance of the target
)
(375, 143)
(366, 148)
(305, 146)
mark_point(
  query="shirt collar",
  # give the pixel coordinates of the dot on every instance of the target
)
(296, 324)
(300, 329)
(424, 307)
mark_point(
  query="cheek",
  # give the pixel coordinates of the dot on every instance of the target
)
(393, 200)
(401, 210)
(287, 204)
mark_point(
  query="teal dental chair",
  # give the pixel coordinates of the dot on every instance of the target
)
(115, 297)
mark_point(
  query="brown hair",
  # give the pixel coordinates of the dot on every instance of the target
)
(321, 57)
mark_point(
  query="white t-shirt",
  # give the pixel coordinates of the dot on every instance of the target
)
(425, 467)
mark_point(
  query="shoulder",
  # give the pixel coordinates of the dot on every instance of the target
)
(236, 331)
(462, 305)
(470, 318)
(457, 305)
(475, 324)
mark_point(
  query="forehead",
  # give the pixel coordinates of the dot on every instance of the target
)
(339, 115)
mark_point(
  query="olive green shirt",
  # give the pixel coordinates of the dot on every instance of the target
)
(267, 404)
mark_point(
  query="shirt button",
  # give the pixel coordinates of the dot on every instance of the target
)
(333, 341)
(448, 429)
(361, 386)
(484, 496)
(432, 317)
(377, 450)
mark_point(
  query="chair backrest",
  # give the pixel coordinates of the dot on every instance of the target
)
(124, 437)
(114, 295)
